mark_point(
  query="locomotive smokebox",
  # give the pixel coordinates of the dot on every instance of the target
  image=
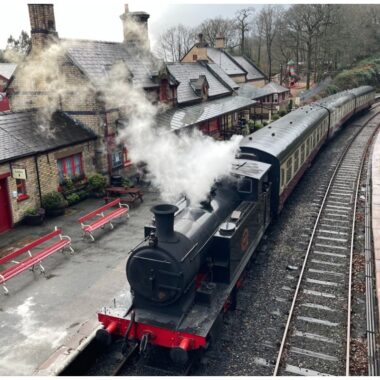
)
(164, 218)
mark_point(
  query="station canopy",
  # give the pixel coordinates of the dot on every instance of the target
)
(178, 118)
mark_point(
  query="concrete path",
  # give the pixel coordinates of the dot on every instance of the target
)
(53, 314)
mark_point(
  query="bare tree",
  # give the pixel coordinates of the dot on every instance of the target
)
(270, 17)
(20, 45)
(311, 18)
(243, 25)
(226, 28)
(175, 42)
(258, 31)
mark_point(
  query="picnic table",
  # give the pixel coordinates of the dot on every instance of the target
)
(126, 194)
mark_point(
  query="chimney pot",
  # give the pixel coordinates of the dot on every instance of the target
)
(164, 217)
(219, 42)
(42, 23)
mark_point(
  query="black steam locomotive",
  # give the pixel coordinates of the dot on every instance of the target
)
(188, 267)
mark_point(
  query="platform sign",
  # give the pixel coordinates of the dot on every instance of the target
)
(18, 173)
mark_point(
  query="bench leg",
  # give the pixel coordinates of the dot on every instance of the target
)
(111, 225)
(6, 291)
(42, 269)
(71, 249)
(91, 236)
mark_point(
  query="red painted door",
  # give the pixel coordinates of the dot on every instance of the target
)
(5, 214)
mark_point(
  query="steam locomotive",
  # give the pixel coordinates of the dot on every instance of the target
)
(188, 268)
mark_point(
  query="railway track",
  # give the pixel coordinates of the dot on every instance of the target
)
(316, 339)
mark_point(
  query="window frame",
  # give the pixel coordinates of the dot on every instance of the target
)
(69, 162)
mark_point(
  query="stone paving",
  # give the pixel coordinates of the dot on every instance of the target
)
(376, 213)
(45, 319)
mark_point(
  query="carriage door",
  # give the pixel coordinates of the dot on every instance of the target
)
(5, 212)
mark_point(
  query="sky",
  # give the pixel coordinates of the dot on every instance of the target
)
(99, 19)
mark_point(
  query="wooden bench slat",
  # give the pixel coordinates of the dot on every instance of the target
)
(29, 246)
(94, 213)
(32, 260)
(104, 220)
(36, 257)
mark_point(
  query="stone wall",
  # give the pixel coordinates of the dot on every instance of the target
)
(48, 175)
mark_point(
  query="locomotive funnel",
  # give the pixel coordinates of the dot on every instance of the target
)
(164, 216)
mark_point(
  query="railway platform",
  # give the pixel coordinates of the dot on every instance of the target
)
(45, 321)
(376, 214)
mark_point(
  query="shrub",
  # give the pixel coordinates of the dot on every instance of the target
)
(275, 117)
(68, 184)
(282, 113)
(82, 194)
(97, 182)
(32, 211)
(127, 182)
(53, 200)
(72, 199)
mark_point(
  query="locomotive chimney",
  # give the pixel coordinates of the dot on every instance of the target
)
(164, 216)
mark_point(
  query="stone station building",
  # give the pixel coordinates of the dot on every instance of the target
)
(33, 159)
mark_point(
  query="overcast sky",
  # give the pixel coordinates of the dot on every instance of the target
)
(99, 19)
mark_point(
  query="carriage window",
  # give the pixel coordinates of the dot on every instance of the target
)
(282, 176)
(302, 153)
(245, 185)
(296, 160)
(289, 169)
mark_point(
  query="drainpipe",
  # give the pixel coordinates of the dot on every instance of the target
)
(108, 148)
(38, 178)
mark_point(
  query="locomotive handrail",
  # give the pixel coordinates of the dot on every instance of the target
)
(155, 260)
(138, 245)
(188, 252)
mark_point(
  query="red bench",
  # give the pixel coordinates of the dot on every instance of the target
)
(103, 218)
(32, 259)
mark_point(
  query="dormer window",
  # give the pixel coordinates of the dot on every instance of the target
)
(200, 86)
(195, 57)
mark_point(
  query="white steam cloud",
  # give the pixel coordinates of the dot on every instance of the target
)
(180, 164)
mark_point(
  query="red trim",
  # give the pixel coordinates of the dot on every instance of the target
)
(157, 335)
(22, 197)
(5, 175)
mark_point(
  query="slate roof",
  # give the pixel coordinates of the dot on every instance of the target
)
(178, 118)
(7, 69)
(222, 75)
(224, 61)
(21, 135)
(184, 72)
(251, 92)
(253, 72)
(95, 58)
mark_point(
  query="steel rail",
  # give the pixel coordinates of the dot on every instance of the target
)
(373, 368)
(348, 335)
(124, 361)
(341, 158)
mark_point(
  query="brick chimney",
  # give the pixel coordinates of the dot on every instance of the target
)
(220, 42)
(42, 24)
(135, 27)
